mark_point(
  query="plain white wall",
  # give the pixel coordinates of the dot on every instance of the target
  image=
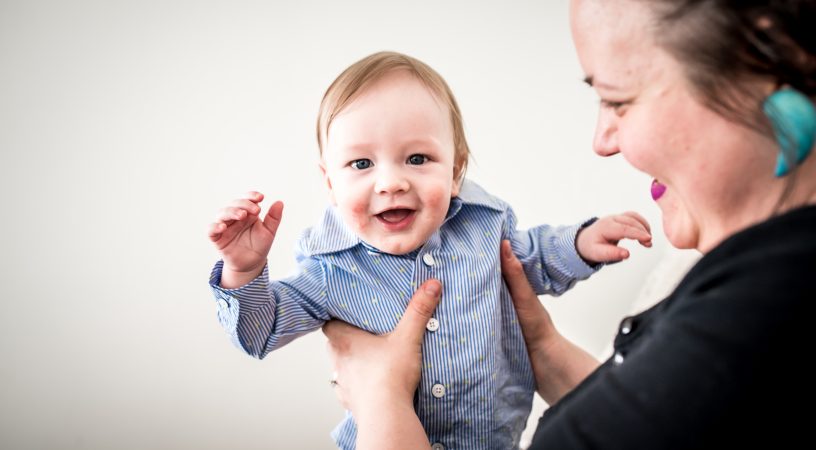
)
(124, 126)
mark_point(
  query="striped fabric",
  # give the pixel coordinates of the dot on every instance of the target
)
(477, 385)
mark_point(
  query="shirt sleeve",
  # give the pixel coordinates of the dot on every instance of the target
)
(548, 254)
(265, 315)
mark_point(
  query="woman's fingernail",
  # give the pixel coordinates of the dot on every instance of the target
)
(432, 288)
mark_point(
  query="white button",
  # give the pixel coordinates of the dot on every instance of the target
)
(626, 326)
(618, 358)
(437, 446)
(223, 303)
(438, 390)
(428, 259)
(432, 325)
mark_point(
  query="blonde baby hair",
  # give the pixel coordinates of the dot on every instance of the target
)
(349, 84)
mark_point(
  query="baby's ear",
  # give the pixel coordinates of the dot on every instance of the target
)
(457, 184)
(326, 178)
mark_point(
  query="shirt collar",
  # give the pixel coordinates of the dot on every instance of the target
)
(331, 234)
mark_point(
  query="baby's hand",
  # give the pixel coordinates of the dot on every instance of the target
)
(242, 238)
(598, 243)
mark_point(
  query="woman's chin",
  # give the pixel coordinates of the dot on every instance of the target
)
(679, 234)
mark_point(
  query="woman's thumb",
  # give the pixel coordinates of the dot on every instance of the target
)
(420, 310)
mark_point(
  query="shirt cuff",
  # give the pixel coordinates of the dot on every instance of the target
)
(227, 297)
(569, 252)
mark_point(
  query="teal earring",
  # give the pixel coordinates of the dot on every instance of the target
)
(793, 118)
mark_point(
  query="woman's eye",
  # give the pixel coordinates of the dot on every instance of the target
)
(361, 164)
(615, 106)
(417, 160)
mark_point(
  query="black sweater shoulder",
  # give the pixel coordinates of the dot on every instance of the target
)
(719, 363)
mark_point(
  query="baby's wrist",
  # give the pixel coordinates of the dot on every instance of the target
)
(233, 279)
(578, 234)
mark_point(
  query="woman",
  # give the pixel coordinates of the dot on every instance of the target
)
(714, 99)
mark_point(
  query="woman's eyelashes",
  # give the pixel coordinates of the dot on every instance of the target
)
(617, 107)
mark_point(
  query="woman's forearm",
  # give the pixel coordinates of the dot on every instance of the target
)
(391, 426)
(559, 366)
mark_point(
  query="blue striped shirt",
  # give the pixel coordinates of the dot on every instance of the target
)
(477, 384)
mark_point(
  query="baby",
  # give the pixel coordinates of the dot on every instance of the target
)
(393, 156)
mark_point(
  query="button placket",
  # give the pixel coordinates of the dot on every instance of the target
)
(626, 326)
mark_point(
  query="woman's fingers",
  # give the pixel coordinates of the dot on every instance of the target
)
(339, 333)
(419, 311)
(531, 313)
(520, 289)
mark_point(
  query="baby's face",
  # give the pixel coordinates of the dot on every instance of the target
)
(388, 163)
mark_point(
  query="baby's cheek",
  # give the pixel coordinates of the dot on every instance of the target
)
(438, 200)
(358, 213)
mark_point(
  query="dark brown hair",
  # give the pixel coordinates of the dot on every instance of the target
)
(728, 46)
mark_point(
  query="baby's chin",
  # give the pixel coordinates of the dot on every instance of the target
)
(397, 248)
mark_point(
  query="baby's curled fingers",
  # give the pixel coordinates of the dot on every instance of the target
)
(254, 196)
(215, 230)
(230, 214)
(247, 205)
(629, 228)
(639, 218)
(607, 253)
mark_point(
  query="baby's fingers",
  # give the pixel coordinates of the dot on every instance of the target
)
(247, 205)
(231, 214)
(639, 219)
(606, 253)
(215, 230)
(629, 228)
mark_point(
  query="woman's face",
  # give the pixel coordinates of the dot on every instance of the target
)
(711, 175)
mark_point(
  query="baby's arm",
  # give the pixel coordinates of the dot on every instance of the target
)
(549, 258)
(554, 260)
(261, 315)
(598, 242)
(243, 239)
(265, 315)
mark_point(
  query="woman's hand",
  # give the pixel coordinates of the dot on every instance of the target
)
(558, 364)
(378, 375)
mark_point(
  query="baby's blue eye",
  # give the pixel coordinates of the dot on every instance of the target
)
(417, 160)
(361, 164)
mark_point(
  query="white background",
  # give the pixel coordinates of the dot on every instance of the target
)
(125, 126)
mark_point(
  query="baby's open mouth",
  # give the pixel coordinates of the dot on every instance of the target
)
(395, 215)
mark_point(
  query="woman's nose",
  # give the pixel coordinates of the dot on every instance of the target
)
(605, 142)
